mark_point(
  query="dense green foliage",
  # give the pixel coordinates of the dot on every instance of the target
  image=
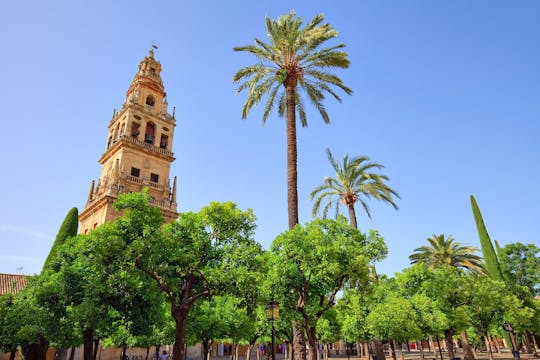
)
(520, 264)
(140, 282)
(310, 264)
(68, 229)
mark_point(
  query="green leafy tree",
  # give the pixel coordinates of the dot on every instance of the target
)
(429, 311)
(394, 319)
(520, 264)
(8, 326)
(293, 59)
(443, 285)
(199, 255)
(353, 182)
(29, 323)
(490, 257)
(315, 262)
(68, 229)
(489, 301)
(103, 295)
(444, 250)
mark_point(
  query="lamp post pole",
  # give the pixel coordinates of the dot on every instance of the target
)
(272, 314)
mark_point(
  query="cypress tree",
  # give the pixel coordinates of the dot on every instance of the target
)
(490, 257)
(69, 228)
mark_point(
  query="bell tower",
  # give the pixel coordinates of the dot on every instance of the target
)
(138, 151)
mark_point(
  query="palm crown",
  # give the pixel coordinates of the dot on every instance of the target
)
(444, 250)
(292, 57)
(353, 182)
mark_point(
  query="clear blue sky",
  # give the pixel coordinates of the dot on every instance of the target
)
(446, 96)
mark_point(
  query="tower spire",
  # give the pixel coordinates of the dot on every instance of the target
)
(173, 196)
(91, 192)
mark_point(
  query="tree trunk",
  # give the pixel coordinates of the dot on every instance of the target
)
(366, 350)
(467, 348)
(488, 346)
(236, 350)
(527, 341)
(205, 349)
(299, 342)
(12, 353)
(290, 353)
(393, 349)
(147, 353)
(180, 314)
(431, 345)
(420, 348)
(494, 344)
(157, 352)
(449, 342)
(439, 346)
(36, 351)
(379, 350)
(88, 343)
(402, 355)
(72, 353)
(60, 354)
(292, 155)
(248, 352)
(258, 357)
(312, 341)
(535, 346)
(96, 348)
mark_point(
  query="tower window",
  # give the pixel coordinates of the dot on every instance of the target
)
(163, 141)
(149, 134)
(135, 172)
(150, 101)
(135, 130)
(154, 177)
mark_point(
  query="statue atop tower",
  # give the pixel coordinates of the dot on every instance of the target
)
(138, 150)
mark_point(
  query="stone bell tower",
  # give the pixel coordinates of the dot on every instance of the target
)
(138, 151)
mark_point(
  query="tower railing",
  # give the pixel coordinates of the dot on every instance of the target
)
(147, 145)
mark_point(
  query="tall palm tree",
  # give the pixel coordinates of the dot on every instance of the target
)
(292, 60)
(353, 182)
(444, 250)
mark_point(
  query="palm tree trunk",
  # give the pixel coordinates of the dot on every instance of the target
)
(352, 216)
(292, 175)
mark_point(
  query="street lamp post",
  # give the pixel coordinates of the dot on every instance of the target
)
(272, 314)
(510, 329)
